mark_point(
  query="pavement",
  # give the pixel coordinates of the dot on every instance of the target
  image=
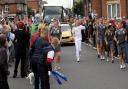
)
(89, 73)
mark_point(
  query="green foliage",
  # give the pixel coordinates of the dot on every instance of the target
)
(78, 7)
(30, 11)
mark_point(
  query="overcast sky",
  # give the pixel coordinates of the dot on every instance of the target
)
(65, 3)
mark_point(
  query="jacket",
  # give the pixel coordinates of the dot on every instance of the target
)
(38, 50)
(3, 64)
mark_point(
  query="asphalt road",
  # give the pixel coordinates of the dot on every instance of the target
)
(89, 73)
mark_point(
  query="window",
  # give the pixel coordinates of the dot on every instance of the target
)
(19, 7)
(113, 10)
(6, 8)
(109, 11)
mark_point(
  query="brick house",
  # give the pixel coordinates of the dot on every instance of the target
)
(107, 8)
(11, 8)
(35, 5)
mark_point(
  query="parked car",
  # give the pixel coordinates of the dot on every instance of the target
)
(67, 36)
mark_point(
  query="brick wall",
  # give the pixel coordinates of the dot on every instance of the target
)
(104, 8)
(100, 6)
(96, 5)
(123, 7)
(33, 5)
(12, 9)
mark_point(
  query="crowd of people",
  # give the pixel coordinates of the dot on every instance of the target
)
(108, 36)
(34, 45)
(37, 44)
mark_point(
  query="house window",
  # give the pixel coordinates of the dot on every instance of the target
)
(113, 10)
(6, 8)
(19, 7)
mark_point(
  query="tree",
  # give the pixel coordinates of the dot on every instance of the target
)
(30, 11)
(78, 7)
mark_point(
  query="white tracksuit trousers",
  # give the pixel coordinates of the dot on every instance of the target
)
(78, 49)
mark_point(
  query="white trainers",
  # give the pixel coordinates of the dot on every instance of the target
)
(124, 66)
(94, 47)
(108, 60)
(78, 60)
(103, 57)
(49, 73)
(121, 67)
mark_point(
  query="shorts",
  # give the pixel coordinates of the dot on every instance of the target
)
(121, 48)
(110, 46)
(101, 41)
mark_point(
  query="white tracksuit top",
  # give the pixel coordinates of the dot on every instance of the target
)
(77, 32)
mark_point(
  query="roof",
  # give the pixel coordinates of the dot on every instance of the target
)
(12, 1)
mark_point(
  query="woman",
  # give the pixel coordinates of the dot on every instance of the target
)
(39, 60)
(55, 31)
(3, 63)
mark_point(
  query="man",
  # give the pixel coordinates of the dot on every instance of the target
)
(21, 45)
(121, 38)
(78, 38)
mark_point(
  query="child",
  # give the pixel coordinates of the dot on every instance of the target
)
(3, 63)
(109, 39)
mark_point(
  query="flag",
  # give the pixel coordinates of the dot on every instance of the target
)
(57, 79)
(59, 74)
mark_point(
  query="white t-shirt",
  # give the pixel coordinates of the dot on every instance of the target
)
(77, 32)
(50, 56)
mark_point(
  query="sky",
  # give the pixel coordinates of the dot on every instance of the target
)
(65, 3)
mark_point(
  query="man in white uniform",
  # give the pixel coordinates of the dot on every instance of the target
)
(78, 38)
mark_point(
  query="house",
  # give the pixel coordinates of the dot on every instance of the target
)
(12, 8)
(107, 8)
(35, 5)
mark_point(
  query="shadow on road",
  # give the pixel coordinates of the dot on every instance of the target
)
(66, 44)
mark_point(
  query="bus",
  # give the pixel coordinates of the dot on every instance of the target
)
(53, 11)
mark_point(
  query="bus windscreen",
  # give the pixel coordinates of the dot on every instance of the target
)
(53, 11)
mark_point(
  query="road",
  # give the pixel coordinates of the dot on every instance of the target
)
(89, 73)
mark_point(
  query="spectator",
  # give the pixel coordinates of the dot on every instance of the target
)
(121, 37)
(38, 56)
(21, 44)
(109, 39)
(3, 63)
(55, 31)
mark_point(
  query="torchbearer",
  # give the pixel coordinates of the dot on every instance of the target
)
(78, 38)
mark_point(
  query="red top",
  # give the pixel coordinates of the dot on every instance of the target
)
(34, 38)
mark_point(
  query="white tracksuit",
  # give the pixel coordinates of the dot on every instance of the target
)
(78, 38)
